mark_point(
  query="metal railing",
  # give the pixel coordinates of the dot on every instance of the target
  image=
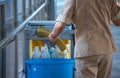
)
(12, 35)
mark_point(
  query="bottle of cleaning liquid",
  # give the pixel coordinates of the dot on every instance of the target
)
(63, 54)
(45, 52)
(36, 52)
(56, 52)
(51, 51)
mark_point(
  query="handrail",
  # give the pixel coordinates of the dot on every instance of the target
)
(44, 23)
(6, 40)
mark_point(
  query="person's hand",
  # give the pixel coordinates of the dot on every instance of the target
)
(52, 38)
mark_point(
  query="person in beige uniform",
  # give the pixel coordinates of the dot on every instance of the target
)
(94, 43)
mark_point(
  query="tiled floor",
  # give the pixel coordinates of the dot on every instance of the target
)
(116, 56)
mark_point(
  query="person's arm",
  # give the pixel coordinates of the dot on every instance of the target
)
(116, 22)
(64, 18)
(58, 28)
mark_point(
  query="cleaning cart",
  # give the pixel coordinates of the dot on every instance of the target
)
(48, 67)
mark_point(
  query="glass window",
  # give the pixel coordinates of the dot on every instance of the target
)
(58, 4)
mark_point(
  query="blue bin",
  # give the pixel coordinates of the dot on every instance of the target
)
(50, 68)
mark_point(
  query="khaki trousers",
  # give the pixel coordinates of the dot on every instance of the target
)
(98, 66)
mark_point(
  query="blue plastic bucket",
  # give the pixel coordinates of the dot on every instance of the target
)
(50, 68)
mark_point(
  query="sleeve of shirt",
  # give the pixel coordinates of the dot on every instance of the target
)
(67, 12)
(115, 15)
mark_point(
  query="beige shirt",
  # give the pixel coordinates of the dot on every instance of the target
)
(92, 22)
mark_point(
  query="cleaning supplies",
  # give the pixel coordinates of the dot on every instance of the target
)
(36, 52)
(51, 51)
(56, 52)
(44, 52)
